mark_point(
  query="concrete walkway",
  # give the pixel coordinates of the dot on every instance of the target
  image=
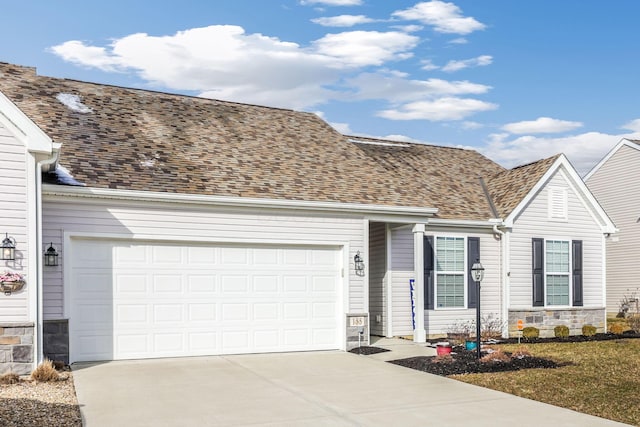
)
(297, 389)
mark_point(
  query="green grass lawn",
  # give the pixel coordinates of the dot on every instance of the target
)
(602, 378)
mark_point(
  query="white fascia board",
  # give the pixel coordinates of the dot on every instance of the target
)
(623, 142)
(579, 186)
(464, 223)
(150, 196)
(23, 127)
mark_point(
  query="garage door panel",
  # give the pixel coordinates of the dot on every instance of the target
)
(160, 300)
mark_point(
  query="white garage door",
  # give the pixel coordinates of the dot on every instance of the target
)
(131, 300)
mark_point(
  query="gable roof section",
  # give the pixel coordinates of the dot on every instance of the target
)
(632, 143)
(139, 140)
(514, 189)
(509, 188)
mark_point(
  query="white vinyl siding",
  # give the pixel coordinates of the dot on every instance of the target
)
(533, 222)
(14, 221)
(615, 185)
(191, 223)
(377, 278)
(401, 272)
(450, 272)
(557, 272)
(437, 321)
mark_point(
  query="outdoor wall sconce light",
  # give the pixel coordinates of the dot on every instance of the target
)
(8, 248)
(358, 262)
(51, 256)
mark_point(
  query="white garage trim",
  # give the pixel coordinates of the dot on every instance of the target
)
(335, 300)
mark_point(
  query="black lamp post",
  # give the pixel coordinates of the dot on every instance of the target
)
(477, 274)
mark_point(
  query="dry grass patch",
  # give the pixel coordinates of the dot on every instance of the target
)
(600, 378)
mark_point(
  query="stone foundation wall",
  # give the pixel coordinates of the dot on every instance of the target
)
(16, 348)
(547, 319)
(56, 340)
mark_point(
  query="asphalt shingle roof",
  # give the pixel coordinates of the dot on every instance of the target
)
(136, 139)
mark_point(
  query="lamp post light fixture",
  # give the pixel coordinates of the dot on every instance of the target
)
(8, 248)
(477, 274)
(51, 256)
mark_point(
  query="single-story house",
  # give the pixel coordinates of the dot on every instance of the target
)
(612, 182)
(187, 226)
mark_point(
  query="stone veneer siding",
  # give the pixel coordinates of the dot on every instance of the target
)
(56, 340)
(16, 348)
(546, 319)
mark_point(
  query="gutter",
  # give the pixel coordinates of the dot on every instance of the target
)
(148, 196)
(46, 164)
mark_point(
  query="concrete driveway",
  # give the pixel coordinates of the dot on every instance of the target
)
(296, 389)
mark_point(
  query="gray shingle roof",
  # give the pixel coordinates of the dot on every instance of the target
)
(143, 140)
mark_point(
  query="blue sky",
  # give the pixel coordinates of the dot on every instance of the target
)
(515, 80)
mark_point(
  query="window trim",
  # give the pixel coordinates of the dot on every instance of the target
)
(464, 272)
(568, 274)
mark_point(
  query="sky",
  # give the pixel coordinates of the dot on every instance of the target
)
(517, 81)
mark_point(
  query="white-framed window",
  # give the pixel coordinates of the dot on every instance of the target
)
(558, 204)
(450, 272)
(557, 272)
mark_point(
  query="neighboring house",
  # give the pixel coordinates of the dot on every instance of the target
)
(613, 182)
(188, 226)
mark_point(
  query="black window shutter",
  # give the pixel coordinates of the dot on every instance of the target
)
(429, 279)
(576, 279)
(537, 250)
(473, 255)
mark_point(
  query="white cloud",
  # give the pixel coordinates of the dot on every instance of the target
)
(342, 20)
(408, 28)
(444, 17)
(480, 61)
(343, 128)
(633, 125)
(583, 150)
(396, 87)
(459, 40)
(332, 2)
(469, 125)
(428, 65)
(442, 109)
(363, 48)
(541, 125)
(222, 61)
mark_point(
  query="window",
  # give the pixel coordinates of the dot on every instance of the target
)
(557, 272)
(450, 272)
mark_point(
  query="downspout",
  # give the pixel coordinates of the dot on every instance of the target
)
(48, 164)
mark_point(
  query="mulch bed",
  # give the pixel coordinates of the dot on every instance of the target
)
(367, 350)
(462, 361)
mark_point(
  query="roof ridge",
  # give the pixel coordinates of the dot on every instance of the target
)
(35, 73)
(399, 142)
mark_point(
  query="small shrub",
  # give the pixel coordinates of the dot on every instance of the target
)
(9, 378)
(459, 332)
(589, 330)
(495, 356)
(45, 372)
(634, 322)
(616, 328)
(521, 353)
(561, 331)
(490, 327)
(531, 332)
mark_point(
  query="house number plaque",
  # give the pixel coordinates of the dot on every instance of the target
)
(356, 321)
